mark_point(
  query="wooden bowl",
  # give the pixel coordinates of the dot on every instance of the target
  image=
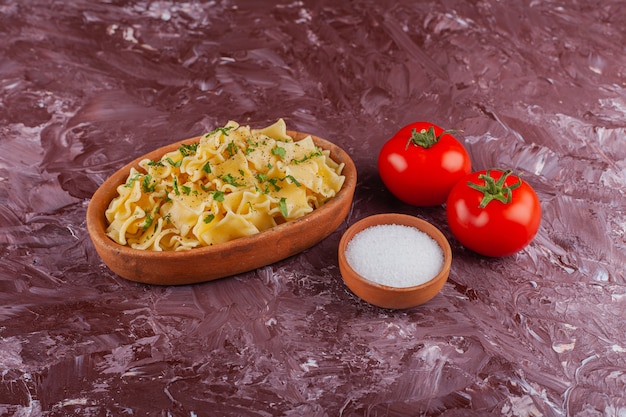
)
(383, 295)
(225, 259)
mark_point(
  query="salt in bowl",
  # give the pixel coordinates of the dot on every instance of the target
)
(390, 295)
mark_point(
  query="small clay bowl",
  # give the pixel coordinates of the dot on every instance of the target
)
(383, 295)
(225, 259)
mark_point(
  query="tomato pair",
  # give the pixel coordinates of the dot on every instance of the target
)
(491, 212)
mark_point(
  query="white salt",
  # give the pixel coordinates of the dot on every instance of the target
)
(394, 255)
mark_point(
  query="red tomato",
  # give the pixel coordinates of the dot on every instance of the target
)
(493, 212)
(421, 163)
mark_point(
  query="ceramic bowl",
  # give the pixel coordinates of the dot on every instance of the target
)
(386, 296)
(225, 259)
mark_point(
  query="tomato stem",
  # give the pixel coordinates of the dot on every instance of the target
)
(426, 138)
(495, 190)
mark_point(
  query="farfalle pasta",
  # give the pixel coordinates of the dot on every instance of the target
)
(234, 182)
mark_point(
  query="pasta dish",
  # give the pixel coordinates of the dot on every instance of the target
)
(233, 182)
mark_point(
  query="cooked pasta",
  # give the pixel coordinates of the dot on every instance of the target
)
(234, 182)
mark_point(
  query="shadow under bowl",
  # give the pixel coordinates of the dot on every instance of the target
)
(225, 259)
(388, 296)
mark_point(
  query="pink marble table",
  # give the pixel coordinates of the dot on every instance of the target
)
(536, 86)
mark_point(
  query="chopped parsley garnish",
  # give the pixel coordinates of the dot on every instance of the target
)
(155, 164)
(218, 196)
(206, 168)
(231, 148)
(149, 220)
(176, 190)
(251, 146)
(264, 179)
(186, 189)
(146, 184)
(188, 149)
(307, 157)
(282, 204)
(293, 180)
(273, 181)
(224, 131)
(280, 151)
(229, 179)
(131, 180)
(208, 218)
(172, 163)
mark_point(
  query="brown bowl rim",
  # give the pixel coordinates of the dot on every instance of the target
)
(96, 221)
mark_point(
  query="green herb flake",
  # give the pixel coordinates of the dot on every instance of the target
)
(146, 184)
(293, 180)
(231, 149)
(172, 163)
(206, 168)
(273, 182)
(148, 222)
(188, 149)
(131, 180)
(282, 204)
(218, 196)
(229, 179)
(279, 151)
(251, 146)
(308, 156)
(223, 130)
(176, 190)
(209, 218)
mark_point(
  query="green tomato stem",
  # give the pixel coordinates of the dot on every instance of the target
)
(426, 137)
(495, 190)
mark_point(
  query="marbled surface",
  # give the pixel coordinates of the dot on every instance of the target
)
(536, 86)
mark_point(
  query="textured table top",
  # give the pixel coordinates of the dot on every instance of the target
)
(536, 86)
